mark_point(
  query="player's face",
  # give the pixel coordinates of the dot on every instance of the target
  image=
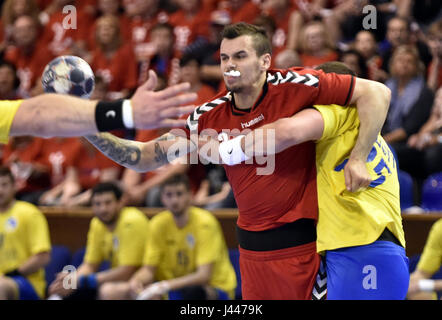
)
(239, 55)
(176, 198)
(7, 191)
(105, 207)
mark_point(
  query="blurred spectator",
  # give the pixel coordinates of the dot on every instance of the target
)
(61, 38)
(423, 153)
(113, 60)
(190, 21)
(28, 54)
(190, 72)
(164, 59)
(280, 11)
(9, 81)
(206, 50)
(399, 33)
(434, 41)
(411, 99)
(287, 59)
(101, 89)
(25, 245)
(316, 48)
(356, 62)
(241, 10)
(60, 155)
(422, 287)
(11, 10)
(116, 234)
(21, 155)
(186, 255)
(365, 44)
(92, 169)
(424, 12)
(143, 15)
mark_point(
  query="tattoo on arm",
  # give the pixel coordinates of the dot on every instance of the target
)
(160, 154)
(119, 150)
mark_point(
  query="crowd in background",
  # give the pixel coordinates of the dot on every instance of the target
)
(179, 39)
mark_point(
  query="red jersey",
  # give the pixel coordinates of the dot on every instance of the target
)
(289, 193)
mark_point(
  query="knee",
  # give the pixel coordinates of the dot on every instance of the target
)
(7, 289)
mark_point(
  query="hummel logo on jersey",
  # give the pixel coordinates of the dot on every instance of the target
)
(252, 122)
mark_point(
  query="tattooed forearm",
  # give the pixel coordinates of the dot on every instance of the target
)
(121, 151)
(160, 154)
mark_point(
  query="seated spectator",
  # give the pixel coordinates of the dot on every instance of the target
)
(434, 41)
(28, 54)
(398, 34)
(356, 62)
(241, 10)
(189, 21)
(116, 234)
(423, 153)
(422, 287)
(113, 60)
(60, 155)
(411, 99)
(365, 43)
(206, 50)
(186, 255)
(287, 59)
(9, 81)
(92, 169)
(315, 47)
(22, 156)
(11, 10)
(190, 72)
(24, 245)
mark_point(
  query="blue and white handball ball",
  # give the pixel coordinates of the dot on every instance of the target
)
(69, 75)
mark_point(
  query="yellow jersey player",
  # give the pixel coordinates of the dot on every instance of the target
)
(50, 115)
(117, 235)
(24, 245)
(186, 255)
(360, 234)
(421, 286)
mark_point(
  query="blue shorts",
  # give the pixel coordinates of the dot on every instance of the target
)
(377, 271)
(25, 289)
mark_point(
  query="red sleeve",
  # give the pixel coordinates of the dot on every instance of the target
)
(331, 88)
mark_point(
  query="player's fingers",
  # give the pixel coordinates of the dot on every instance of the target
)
(174, 112)
(174, 90)
(347, 177)
(182, 99)
(173, 123)
(151, 83)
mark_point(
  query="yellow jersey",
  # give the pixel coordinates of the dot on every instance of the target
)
(124, 246)
(431, 259)
(24, 232)
(177, 252)
(8, 109)
(349, 219)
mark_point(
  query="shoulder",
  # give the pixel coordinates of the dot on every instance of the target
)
(206, 109)
(203, 217)
(295, 76)
(26, 209)
(162, 218)
(132, 214)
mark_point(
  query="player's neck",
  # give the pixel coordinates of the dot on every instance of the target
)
(247, 98)
(182, 219)
(6, 206)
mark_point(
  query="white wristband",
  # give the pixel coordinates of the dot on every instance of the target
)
(231, 152)
(426, 285)
(127, 114)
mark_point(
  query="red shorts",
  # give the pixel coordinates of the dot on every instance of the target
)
(285, 274)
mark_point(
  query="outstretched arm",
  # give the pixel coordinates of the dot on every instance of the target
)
(51, 115)
(142, 156)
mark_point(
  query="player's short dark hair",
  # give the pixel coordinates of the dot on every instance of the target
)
(335, 67)
(261, 42)
(6, 172)
(176, 180)
(104, 187)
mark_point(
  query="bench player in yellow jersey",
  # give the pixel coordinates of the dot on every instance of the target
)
(116, 234)
(359, 233)
(186, 255)
(24, 245)
(421, 284)
(49, 115)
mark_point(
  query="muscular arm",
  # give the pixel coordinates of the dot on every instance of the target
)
(141, 156)
(35, 263)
